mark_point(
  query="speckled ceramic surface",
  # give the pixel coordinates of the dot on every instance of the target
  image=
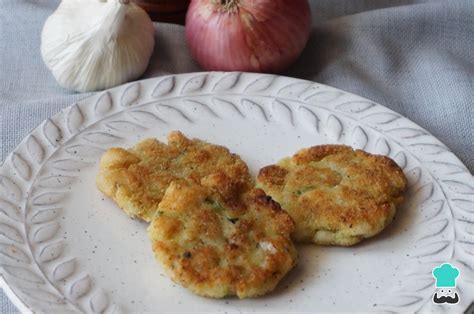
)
(64, 247)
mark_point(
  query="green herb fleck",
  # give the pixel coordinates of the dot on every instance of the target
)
(215, 205)
(233, 220)
(304, 190)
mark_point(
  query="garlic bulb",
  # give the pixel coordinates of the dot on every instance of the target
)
(96, 44)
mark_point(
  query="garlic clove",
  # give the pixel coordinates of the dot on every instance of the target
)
(92, 45)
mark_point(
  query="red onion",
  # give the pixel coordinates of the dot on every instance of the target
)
(247, 35)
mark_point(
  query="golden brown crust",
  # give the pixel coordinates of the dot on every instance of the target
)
(136, 179)
(218, 247)
(337, 196)
(316, 153)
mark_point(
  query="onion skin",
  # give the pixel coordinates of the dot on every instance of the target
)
(254, 36)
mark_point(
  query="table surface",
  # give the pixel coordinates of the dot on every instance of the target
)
(414, 57)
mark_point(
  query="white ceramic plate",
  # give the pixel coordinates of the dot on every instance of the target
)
(64, 247)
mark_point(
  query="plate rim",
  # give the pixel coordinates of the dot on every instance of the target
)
(5, 285)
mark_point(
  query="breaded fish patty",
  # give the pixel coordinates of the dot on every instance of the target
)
(136, 179)
(336, 196)
(220, 248)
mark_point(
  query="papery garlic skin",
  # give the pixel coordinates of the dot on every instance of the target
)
(93, 45)
(247, 35)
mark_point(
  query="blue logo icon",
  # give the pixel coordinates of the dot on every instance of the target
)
(446, 276)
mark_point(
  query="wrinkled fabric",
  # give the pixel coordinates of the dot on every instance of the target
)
(415, 57)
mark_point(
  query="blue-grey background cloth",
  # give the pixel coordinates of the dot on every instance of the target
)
(415, 57)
